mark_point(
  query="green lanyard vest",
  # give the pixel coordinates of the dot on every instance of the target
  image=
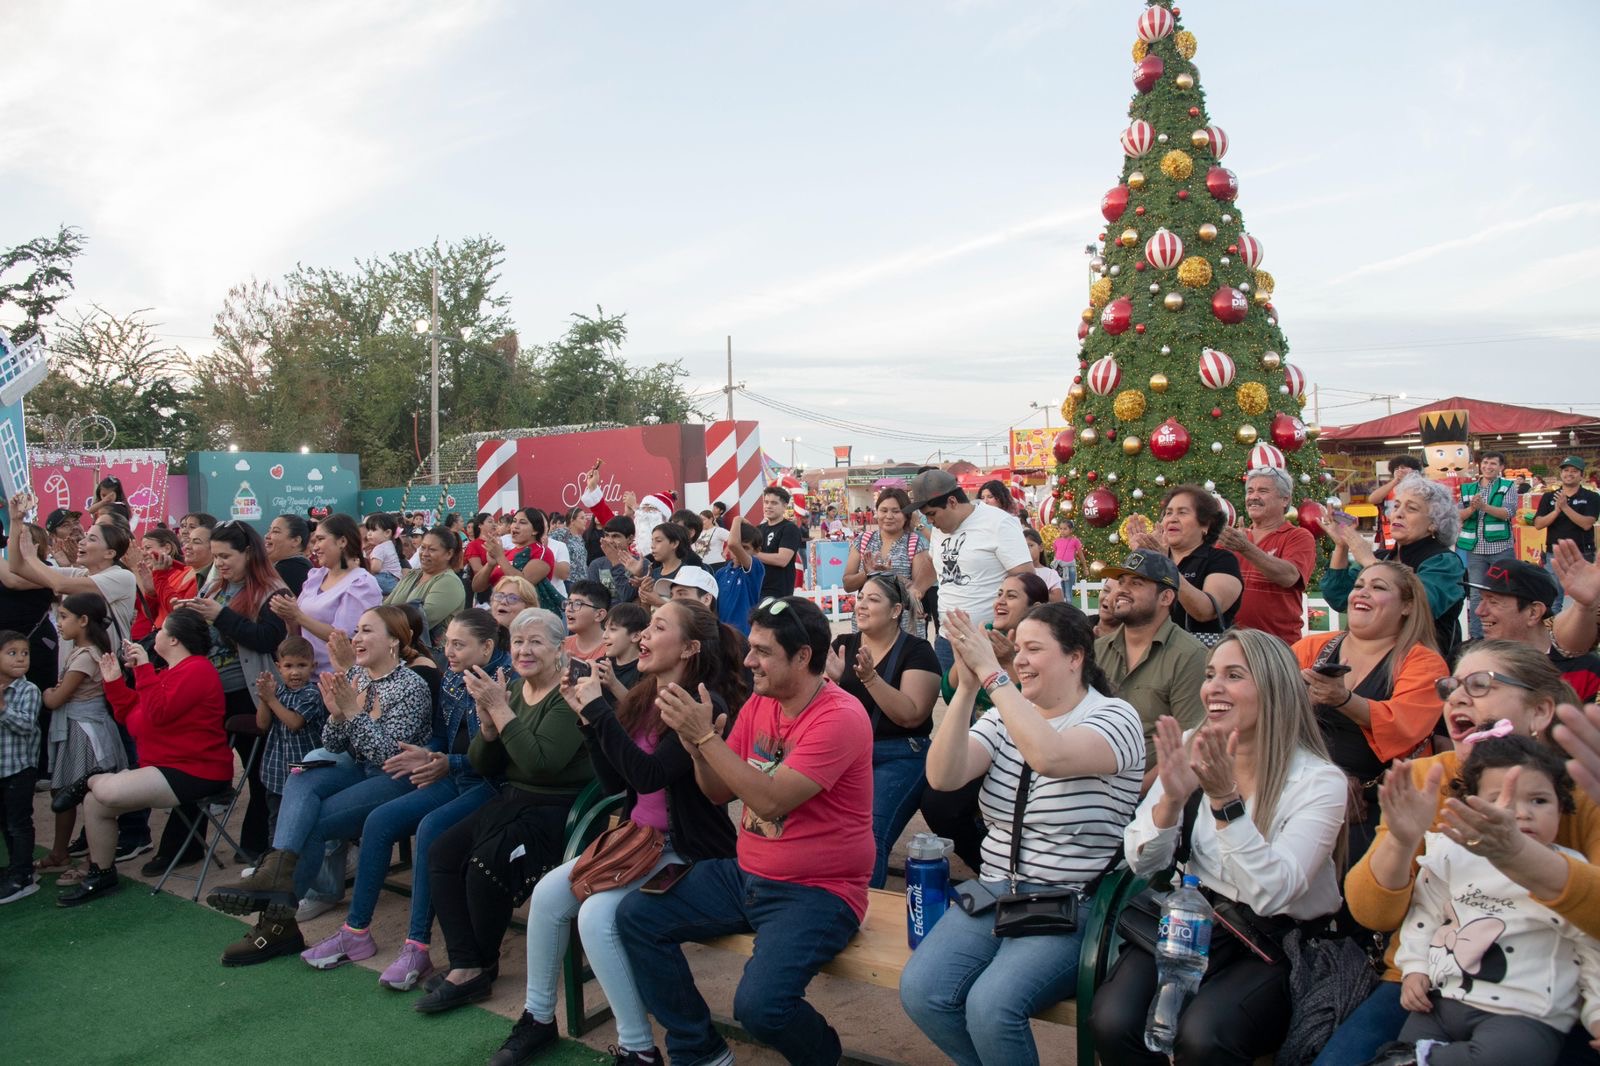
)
(1494, 529)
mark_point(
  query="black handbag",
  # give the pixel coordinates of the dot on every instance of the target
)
(1046, 912)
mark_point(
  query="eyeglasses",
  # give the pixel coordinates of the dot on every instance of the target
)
(507, 598)
(573, 605)
(1477, 684)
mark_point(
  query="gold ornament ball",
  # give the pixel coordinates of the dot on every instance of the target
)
(1158, 383)
(1195, 272)
(1177, 165)
(1252, 397)
(1097, 569)
(1140, 50)
(1200, 139)
(1265, 282)
(1136, 179)
(1245, 434)
(1132, 445)
(1089, 315)
(1292, 514)
(1088, 435)
(1184, 81)
(1076, 393)
(1271, 360)
(1100, 292)
(1185, 43)
(1129, 238)
(1313, 431)
(1260, 297)
(1208, 232)
(1173, 301)
(1129, 405)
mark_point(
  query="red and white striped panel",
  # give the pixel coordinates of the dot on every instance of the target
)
(1137, 138)
(1266, 455)
(1219, 141)
(1154, 24)
(1164, 249)
(1104, 376)
(1216, 369)
(1250, 251)
(498, 484)
(733, 467)
(1295, 378)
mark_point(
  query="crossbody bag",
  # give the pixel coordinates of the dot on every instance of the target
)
(1041, 912)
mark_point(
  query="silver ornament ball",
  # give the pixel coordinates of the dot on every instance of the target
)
(1216, 447)
(1114, 271)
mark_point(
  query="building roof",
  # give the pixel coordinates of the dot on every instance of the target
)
(1485, 419)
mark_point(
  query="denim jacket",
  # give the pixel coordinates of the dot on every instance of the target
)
(455, 704)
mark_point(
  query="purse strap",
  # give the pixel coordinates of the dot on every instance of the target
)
(1017, 810)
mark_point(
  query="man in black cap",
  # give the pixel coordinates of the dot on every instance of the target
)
(1568, 512)
(1516, 603)
(66, 530)
(1154, 664)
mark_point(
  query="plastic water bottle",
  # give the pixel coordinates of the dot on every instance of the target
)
(927, 884)
(1183, 947)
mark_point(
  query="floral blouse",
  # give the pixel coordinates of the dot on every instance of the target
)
(406, 716)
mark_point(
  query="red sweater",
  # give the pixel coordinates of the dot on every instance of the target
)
(175, 718)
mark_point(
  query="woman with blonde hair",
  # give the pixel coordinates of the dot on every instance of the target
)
(1251, 804)
(1372, 687)
(511, 596)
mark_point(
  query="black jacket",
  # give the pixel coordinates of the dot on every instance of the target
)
(699, 828)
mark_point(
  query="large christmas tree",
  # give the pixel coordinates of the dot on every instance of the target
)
(1182, 375)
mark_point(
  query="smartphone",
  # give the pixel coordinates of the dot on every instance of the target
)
(578, 668)
(663, 879)
(1344, 518)
(1332, 669)
(310, 764)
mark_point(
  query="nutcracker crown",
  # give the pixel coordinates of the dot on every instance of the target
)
(1442, 427)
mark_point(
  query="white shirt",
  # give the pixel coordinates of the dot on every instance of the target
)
(559, 550)
(388, 558)
(119, 587)
(972, 561)
(1051, 579)
(1289, 873)
(1071, 826)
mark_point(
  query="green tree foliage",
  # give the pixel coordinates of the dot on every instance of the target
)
(116, 366)
(334, 360)
(37, 275)
(1169, 340)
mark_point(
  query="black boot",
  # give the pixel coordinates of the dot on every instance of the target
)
(270, 889)
(69, 797)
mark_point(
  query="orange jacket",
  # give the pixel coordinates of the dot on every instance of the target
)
(1383, 909)
(1408, 716)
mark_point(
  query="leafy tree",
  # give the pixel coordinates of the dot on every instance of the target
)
(582, 377)
(37, 275)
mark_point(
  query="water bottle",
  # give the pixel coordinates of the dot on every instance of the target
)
(1183, 946)
(927, 884)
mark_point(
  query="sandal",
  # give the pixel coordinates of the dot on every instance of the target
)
(51, 864)
(73, 875)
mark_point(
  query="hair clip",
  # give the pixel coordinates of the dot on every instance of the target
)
(1502, 728)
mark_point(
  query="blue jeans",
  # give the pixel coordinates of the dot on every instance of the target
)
(1477, 569)
(551, 910)
(1370, 1026)
(972, 993)
(798, 930)
(944, 652)
(331, 802)
(427, 811)
(897, 784)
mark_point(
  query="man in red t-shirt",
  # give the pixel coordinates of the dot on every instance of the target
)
(1276, 557)
(800, 759)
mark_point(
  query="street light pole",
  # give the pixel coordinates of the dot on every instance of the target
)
(433, 337)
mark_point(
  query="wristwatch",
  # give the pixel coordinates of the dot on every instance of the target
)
(998, 679)
(1231, 811)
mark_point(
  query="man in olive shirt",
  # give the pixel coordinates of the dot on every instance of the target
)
(1155, 666)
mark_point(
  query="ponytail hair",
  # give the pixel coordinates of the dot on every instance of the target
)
(718, 665)
(96, 613)
(186, 626)
(1072, 630)
(481, 625)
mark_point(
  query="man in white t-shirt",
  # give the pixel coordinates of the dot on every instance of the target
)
(974, 548)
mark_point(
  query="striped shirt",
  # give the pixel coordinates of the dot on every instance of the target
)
(1071, 826)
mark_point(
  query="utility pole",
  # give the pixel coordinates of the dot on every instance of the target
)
(728, 388)
(1316, 404)
(433, 336)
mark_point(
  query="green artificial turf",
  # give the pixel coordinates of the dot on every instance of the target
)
(134, 978)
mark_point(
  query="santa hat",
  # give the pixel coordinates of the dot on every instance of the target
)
(664, 502)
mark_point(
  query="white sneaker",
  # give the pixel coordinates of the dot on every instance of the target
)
(314, 908)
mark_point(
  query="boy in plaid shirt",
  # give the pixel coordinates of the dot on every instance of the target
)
(292, 714)
(19, 755)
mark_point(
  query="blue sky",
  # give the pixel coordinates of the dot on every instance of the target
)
(885, 204)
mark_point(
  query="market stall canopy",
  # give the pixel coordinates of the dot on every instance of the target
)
(1486, 418)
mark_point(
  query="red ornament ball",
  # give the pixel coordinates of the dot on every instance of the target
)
(1101, 237)
(1113, 204)
(1139, 266)
(1092, 476)
(1139, 210)
(1170, 441)
(1100, 508)
(1148, 72)
(1312, 515)
(1088, 419)
(1063, 447)
(1216, 412)
(1221, 184)
(1117, 316)
(1139, 328)
(1230, 305)
(1233, 249)
(1083, 330)
(1288, 432)
(1077, 379)
(1194, 112)
(1183, 194)
(1083, 364)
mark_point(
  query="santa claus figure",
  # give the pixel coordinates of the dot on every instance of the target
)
(648, 513)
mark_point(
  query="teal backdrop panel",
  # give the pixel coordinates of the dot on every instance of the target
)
(460, 497)
(255, 487)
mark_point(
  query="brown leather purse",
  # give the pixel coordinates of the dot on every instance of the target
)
(619, 856)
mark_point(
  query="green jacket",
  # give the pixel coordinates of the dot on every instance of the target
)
(541, 751)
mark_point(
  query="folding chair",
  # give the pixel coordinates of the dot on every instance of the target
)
(244, 725)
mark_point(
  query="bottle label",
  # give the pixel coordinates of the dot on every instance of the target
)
(1184, 936)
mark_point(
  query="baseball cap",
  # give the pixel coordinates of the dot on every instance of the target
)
(1523, 580)
(1152, 566)
(932, 485)
(1573, 460)
(60, 517)
(693, 576)
(415, 531)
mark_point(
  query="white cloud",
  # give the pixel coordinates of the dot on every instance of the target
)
(313, 474)
(241, 465)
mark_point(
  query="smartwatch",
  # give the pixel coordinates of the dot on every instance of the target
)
(998, 679)
(1231, 811)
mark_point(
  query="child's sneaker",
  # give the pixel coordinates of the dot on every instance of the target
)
(340, 948)
(17, 887)
(412, 965)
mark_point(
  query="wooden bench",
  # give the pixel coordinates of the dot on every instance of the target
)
(878, 953)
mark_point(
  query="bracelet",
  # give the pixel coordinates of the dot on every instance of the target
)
(709, 734)
(1348, 694)
(986, 682)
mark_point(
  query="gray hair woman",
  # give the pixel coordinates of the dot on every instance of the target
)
(1424, 525)
(528, 737)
